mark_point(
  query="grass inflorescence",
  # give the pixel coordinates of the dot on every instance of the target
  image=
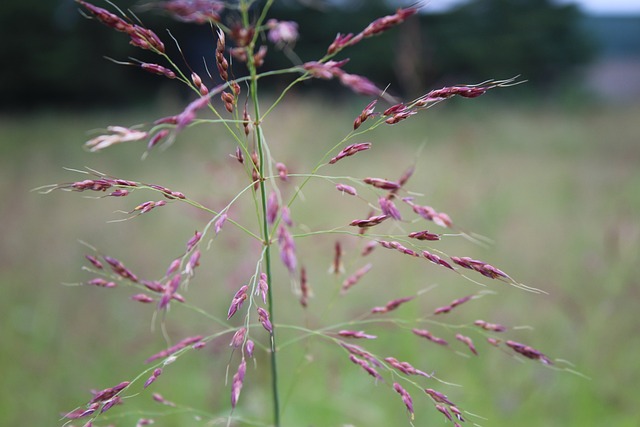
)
(276, 299)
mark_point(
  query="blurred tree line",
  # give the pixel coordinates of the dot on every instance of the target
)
(53, 55)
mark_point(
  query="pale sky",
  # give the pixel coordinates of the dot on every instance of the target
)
(590, 6)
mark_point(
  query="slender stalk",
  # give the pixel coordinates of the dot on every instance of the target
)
(253, 75)
(267, 267)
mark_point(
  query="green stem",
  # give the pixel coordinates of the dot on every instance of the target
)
(267, 267)
(260, 142)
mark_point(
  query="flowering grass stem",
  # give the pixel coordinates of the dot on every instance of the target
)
(260, 143)
(392, 221)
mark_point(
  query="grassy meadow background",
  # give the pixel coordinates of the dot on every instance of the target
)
(556, 189)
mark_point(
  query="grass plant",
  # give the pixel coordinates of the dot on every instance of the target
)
(358, 383)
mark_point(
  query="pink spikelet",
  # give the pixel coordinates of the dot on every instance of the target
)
(481, 267)
(188, 115)
(386, 22)
(330, 69)
(146, 39)
(263, 318)
(465, 339)
(221, 61)
(157, 137)
(355, 278)
(196, 11)
(340, 42)
(285, 214)
(175, 348)
(143, 298)
(157, 397)
(94, 261)
(198, 345)
(369, 222)
(246, 124)
(287, 249)
(359, 351)
(119, 192)
(117, 400)
(237, 301)
(445, 412)
(238, 337)
(430, 214)
(360, 85)
(494, 341)
(405, 367)
(169, 291)
(229, 101)
(454, 303)
(193, 241)
(156, 373)
(282, 32)
(140, 37)
(366, 113)
(424, 235)
(158, 69)
(382, 183)
(237, 382)
(428, 335)
(304, 288)
(119, 268)
(148, 206)
(197, 82)
(350, 150)
(346, 189)
(324, 70)
(369, 247)
(272, 208)
(173, 267)
(82, 412)
(365, 365)
(529, 352)
(355, 334)
(456, 413)
(283, 173)
(217, 226)
(249, 347)
(336, 266)
(106, 17)
(117, 135)
(391, 305)
(406, 176)
(194, 261)
(101, 283)
(438, 397)
(394, 109)
(398, 117)
(436, 260)
(263, 287)
(108, 393)
(258, 58)
(465, 91)
(378, 26)
(389, 208)
(494, 327)
(406, 398)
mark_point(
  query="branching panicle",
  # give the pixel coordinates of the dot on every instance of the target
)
(243, 32)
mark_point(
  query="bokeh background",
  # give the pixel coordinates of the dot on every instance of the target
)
(547, 170)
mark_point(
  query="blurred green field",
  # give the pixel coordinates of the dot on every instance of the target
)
(557, 192)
